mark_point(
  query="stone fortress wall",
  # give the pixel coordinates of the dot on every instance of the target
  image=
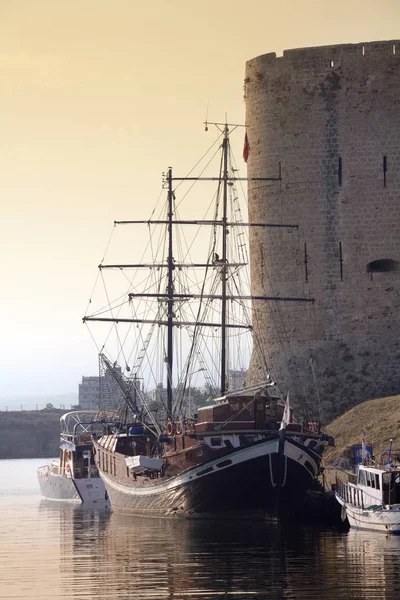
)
(329, 119)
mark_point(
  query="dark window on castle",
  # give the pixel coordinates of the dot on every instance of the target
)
(340, 171)
(384, 170)
(383, 265)
(305, 262)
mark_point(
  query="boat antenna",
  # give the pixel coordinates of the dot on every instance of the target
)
(205, 122)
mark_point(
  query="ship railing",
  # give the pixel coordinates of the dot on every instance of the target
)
(77, 439)
(350, 493)
(51, 468)
(43, 470)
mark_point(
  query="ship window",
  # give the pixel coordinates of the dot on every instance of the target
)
(368, 479)
(106, 469)
(224, 463)
(216, 441)
(377, 485)
(204, 471)
(382, 265)
(362, 478)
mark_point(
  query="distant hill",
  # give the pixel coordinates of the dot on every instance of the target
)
(30, 434)
(380, 421)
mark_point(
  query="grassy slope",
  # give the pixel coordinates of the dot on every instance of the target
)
(380, 421)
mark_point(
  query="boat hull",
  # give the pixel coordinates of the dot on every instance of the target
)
(57, 487)
(378, 519)
(61, 487)
(254, 478)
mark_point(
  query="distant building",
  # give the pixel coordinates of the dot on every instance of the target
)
(89, 393)
(105, 392)
(237, 379)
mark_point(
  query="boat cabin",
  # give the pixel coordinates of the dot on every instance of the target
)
(373, 486)
(240, 413)
(76, 445)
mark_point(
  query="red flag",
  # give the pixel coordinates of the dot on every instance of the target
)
(246, 148)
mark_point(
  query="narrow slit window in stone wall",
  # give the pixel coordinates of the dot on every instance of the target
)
(384, 170)
(305, 263)
(341, 261)
(394, 48)
(340, 171)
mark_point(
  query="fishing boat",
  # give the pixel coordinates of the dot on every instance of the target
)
(371, 498)
(74, 476)
(242, 452)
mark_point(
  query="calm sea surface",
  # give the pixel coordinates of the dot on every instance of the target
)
(54, 550)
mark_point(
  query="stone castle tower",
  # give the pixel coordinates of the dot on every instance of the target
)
(327, 120)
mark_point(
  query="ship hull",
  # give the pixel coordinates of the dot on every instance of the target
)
(379, 519)
(261, 477)
(58, 487)
(61, 487)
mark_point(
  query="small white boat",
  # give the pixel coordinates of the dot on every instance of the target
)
(74, 476)
(371, 498)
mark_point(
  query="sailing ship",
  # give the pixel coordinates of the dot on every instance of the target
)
(74, 476)
(242, 451)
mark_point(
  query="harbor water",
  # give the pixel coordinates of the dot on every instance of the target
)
(56, 550)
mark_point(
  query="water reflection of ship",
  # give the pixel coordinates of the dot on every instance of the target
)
(112, 556)
(80, 527)
(174, 558)
(375, 559)
(191, 558)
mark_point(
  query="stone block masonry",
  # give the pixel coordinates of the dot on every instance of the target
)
(330, 117)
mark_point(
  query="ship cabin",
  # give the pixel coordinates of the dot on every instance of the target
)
(76, 446)
(372, 486)
(239, 413)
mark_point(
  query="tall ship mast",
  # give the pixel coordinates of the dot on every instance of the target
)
(241, 451)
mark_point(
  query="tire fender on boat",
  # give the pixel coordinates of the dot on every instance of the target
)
(170, 428)
(343, 513)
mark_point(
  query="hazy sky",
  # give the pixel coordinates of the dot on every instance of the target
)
(97, 98)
